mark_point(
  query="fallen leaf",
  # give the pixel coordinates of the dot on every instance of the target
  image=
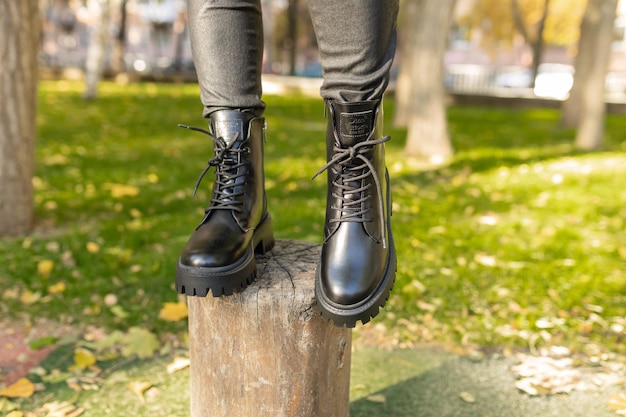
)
(92, 247)
(140, 342)
(377, 398)
(467, 397)
(15, 414)
(122, 190)
(173, 311)
(139, 387)
(7, 405)
(57, 288)
(28, 297)
(110, 300)
(119, 312)
(23, 388)
(42, 342)
(61, 409)
(540, 375)
(177, 365)
(45, 267)
(55, 376)
(83, 359)
(617, 403)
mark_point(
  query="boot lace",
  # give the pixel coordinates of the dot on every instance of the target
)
(226, 162)
(354, 167)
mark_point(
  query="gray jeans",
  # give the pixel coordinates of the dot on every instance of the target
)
(356, 38)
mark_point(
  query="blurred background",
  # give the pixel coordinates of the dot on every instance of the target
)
(492, 46)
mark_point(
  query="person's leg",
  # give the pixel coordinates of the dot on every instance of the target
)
(358, 262)
(227, 45)
(357, 42)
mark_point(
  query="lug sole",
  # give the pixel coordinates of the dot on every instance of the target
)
(225, 280)
(363, 311)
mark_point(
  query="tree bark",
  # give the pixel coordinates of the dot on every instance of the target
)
(119, 44)
(266, 351)
(99, 11)
(585, 108)
(292, 34)
(536, 42)
(19, 43)
(420, 94)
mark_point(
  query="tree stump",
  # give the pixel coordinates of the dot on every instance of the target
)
(266, 351)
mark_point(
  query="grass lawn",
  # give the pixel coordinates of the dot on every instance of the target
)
(519, 242)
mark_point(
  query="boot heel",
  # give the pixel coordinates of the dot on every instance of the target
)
(264, 236)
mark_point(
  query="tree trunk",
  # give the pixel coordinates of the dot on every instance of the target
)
(586, 107)
(264, 351)
(536, 42)
(19, 43)
(119, 44)
(268, 35)
(420, 94)
(292, 34)
(99, 11)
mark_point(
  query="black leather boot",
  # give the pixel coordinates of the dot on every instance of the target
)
(220, 255)
(358, 262)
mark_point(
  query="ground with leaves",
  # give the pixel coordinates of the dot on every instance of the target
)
(517, 244)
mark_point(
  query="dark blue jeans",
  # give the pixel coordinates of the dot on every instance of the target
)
(356, 38)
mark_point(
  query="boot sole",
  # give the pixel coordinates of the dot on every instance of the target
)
(225, 280)
(363, 311)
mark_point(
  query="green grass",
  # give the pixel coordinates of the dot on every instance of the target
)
(519, 241)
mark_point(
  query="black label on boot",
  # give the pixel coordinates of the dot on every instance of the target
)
(356, 125)
(229, 129)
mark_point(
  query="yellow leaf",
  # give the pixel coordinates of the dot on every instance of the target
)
(122, 190)
(57, 288)
(139, 387)
(177, 365)
(61, 408)
(377, 398)
(44, 268)
(173, 311)
(617, 403)
(23, 388)
(15, 414)
(83, 359)
(28, 297)
(467, 397)
(92, 247)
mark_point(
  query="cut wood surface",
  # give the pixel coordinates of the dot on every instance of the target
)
(266, 351)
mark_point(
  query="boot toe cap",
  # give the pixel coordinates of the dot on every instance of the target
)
(350, 274)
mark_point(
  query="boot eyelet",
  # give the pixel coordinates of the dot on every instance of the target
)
(247, 150)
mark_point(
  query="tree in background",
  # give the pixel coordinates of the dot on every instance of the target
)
(119, 44)
(19, 40)
(99, 14)
(533, 38)
(538, 22)
(420, 95)
(586, 107)
(293, 38)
